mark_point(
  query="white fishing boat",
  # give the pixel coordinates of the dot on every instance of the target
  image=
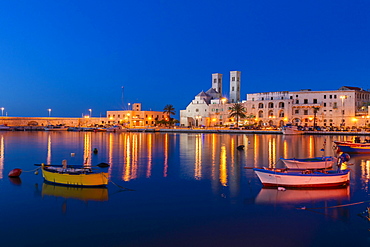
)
(291, 130)
(4, 127)
(310, 163)
(271, 177)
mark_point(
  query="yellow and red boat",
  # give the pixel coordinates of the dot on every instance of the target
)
(81, 176)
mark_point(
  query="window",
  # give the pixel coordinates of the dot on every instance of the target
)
(215, 80)
(271, 105)
(324, 96)
(305, 101)
(305, 112)
(260, 105)
(291, 97)
(196, 110)
(281, 104)
(315, 101)
(232, 89)
(330, 96)
(260, 114)
(324, 104)
(335, 105)
(335, 96)
(296, 112)
(272, 98)
(297, 101)
(233, 78)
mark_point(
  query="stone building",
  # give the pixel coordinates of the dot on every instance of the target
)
(345, 107)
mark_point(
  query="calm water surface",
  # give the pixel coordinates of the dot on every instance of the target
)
(189, 190)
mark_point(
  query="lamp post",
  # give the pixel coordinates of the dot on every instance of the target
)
(49, 110)
(2, 111)
(342, 97)
(90, 110)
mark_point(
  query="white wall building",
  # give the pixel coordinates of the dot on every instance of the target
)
(345, 107)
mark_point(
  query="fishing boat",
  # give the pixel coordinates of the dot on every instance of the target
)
(74, 176)
(272, 177)
(310, 163)
(353, 147)
(291, 130)
(55, 128)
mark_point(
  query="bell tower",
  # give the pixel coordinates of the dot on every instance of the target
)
(235, 86)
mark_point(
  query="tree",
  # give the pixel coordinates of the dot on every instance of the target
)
(169, 110)
(238, 111)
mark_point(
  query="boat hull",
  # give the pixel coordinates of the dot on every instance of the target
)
(353, 148)
(88, 179)
(270, 178)
(313, 163)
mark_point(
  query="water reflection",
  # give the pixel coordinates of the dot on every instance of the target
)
(1, 155)
(79, 193)
(292, 196)
(199, 156)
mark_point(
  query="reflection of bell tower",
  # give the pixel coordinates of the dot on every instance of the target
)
(235, 86)
(217, 84)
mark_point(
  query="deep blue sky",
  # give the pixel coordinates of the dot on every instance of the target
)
(71, 56)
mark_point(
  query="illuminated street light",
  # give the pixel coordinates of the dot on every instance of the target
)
(49, 110)
(2, 111)
(90, 110)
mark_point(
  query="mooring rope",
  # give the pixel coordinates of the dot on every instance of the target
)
(33, 170)
(337, 206)
(119, 186)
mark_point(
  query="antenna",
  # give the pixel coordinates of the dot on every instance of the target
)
(123, 104)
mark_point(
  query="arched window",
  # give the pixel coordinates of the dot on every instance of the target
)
(260, 114)
(281, 105)
(271, 113)
(281, 114)
(271, 105)
(260, 105)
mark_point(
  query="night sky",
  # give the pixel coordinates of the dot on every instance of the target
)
(71, 56)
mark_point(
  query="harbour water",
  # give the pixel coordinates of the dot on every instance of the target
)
(185, 190)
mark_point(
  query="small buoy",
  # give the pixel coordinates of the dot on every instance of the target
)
(241, 147)
(102, 165)
(281, 189)
(37, 172)
(95, 151)
(15, 173)
(72, 154)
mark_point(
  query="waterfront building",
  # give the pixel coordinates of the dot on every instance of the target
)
(197, 113)
(135, 117)
(342, 108)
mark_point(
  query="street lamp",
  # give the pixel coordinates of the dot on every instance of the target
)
(49, 110)
(342, 97)
(2, 111)
(90, 112)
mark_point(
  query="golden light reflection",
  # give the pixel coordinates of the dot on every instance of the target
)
(223, 166)
(198, 157)
(131, 165)
(214, 150)
(285, 149)
(87, 148)
(365, 174)
(272, 151)
(127, 165)
(165, 165)
(2, 153)
(311, 147)
(48, 156)
(149, 166)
